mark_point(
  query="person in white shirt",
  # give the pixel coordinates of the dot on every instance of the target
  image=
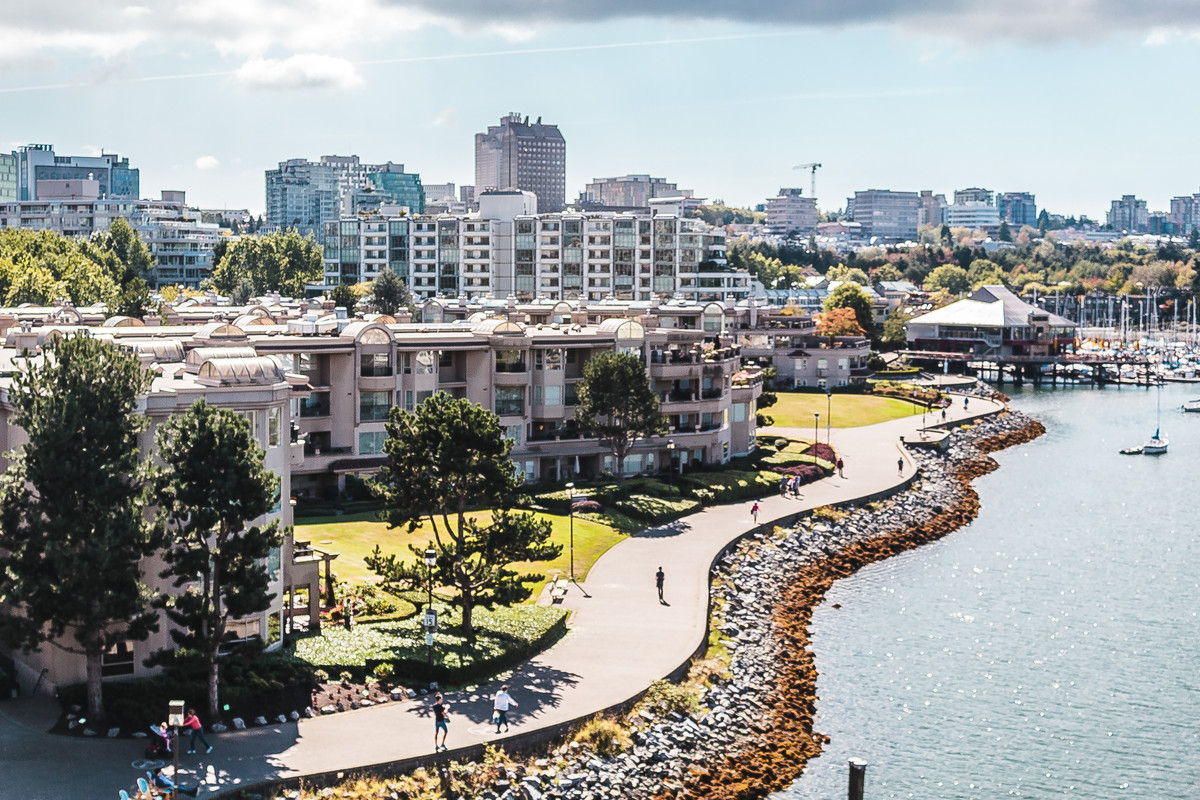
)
(500, 707)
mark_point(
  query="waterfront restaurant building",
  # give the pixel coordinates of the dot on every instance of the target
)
(991, 322)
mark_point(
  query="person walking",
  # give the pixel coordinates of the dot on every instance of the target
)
(943, 415)
(966, 401)
(500, 707)
(900, 465)
(659, 577)
(193, 722)
(754, 512)
(839, 468)
(441, 722)
(783, 484)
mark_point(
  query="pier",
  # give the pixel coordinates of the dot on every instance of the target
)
(1103, 368)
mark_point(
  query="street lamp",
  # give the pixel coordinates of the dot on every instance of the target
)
(816, 427)
(430, 613)
(670, 461)
(175, 720)
(828, 415)
(571, 493)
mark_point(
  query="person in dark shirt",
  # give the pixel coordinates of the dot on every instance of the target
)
(659, 577)
(441, 724)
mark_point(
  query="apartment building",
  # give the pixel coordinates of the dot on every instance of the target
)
(1017, 209)
(517, 154)
(627, 192)
(568, 255)
(930, 209)
(790, 213)
(306, 195)
(181, 245)
(1128, 214)
(8, 177)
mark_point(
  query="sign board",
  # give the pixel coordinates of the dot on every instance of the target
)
(429, 639)
(175, 714)
(431, 618)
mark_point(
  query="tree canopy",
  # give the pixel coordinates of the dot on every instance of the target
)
(72, 503)
(950, 277)
(851, 295)
(839, 322)
(390, 294)
(282, 261)
(444, 459)
(617, 405)
(212, 484)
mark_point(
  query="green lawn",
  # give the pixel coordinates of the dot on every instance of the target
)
(354, 536)
(796, 409)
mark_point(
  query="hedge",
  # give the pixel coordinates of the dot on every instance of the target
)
(504, 638)
(727, 485)
(656, 510)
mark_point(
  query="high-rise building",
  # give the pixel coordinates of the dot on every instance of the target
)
(931, 210)
(435, 192)
(973, 195)
(790, 212)
(628, 191)
(305, 195)
(1017, 208)
(887, 215)
(8, 177)
(1185, 212)
(1128, 214)
(38, 162)
(517, 154)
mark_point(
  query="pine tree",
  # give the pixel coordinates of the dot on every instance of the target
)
(71, 506)
(211, 485)
(617, 405)
(444, 459)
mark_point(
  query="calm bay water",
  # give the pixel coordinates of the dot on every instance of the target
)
(1051, 648)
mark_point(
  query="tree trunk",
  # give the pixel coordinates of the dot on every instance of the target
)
(213, 677)
(95, 689)
(468, 603)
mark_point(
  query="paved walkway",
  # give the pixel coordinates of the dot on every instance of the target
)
(621, 640)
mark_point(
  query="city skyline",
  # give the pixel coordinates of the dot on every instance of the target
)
(1012, 98)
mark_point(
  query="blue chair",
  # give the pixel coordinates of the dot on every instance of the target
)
(123, 795)
(144, 788)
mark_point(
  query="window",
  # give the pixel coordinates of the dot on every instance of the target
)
(375, 365)
(425, 362)
(514, 432)
(371, 442)
(117, 660)
(553, 395)
(274, 432)
(373, 406)
(252, 418)
(510, 401)
(510, 361)
(739, 412)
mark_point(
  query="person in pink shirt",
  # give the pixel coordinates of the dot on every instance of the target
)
(193, 722)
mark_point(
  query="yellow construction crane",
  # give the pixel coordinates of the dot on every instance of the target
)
(813, 166)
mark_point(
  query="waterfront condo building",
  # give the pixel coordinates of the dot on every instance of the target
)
(504, 249)
(1017, 209)
(517, 154)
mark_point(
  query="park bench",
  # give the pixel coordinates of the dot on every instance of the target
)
(558, 590)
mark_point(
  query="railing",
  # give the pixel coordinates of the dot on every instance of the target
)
(517, 366)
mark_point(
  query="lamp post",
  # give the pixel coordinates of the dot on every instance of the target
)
(571, 500)
(828, 416)
(670, 461)
(430, 614)
(816, 427)
(175, 720)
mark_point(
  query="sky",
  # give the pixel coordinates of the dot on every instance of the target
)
(1077, 101)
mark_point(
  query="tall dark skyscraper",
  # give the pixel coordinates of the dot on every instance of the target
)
(517, 154)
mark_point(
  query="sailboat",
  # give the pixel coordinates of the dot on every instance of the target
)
(1158, 443)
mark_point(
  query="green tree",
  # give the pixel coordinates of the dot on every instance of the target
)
(281, 262)
(242, 292)
(1004, 234)
(843, 273)
(894, 334)
(886, 272)
(390, 293)
(343, 296)
(851, 295)
(617, 405)
(133, 299)
(1043, 221)
(212, 483)
(949, 277)
(131, 252)
(71, 506)
(444, 459)
(1194, 239)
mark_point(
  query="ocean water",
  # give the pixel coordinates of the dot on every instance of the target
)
(1049, 649)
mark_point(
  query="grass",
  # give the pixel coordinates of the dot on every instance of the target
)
(354, 536)
(796, 409)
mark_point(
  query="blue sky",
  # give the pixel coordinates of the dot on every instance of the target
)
(1078, 102)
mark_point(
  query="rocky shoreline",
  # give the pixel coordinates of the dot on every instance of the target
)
(756, 733)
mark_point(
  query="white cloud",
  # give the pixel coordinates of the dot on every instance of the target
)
(447, 116)
(304, 71)
(207, 162)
